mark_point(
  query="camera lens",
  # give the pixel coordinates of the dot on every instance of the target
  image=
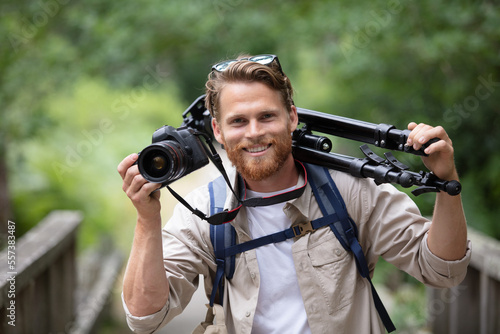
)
(163, 161)
(159, 163)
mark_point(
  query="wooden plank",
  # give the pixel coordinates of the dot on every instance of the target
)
(438, 312)
(466, 300)
(46, 279)
(473, 306)
(484, 288)
(91, 301)
(39, 248)
(59, 312)
(485, 254)
(491, 322)
(70, 284)
(455, 310)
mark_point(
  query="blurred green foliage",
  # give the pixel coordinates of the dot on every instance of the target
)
(84, 83)
(72, 164)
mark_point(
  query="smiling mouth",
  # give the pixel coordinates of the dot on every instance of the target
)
(257, 149)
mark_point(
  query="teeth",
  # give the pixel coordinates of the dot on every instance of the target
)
(256, 149)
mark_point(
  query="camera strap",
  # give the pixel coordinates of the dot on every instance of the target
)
(228, 215)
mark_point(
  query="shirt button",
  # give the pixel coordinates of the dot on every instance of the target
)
(338, 252)
(252, 275)
(247, 314)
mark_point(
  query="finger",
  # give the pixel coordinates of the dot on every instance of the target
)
(141, 190)
(135, 185)
(431, 133)
(125, 164)
(130, 174)
(414, 138)
(409, 140)
(411, 125)
(148, 188)
(440, 146)
(151, 189)
(423, 133)
(414, 128)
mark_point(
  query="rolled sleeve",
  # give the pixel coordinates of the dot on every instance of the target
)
(452, 272)
(390, 225)
(145, 324)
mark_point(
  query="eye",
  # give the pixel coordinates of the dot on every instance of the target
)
(267, 116)
(236, 121)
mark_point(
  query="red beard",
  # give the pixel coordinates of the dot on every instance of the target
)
(260, 168)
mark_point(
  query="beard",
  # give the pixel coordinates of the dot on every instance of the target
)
(260, 168)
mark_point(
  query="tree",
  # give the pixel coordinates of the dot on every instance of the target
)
(31, 67)
(380, 61)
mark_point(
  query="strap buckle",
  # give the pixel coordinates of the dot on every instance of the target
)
(302, 229)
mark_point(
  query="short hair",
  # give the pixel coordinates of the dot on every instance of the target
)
(247, 71)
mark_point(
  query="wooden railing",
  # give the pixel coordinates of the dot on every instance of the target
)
(41, 290)
(474, 305)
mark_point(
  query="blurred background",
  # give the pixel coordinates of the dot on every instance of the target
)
(85, 83)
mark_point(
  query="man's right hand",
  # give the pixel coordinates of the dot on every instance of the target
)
(138, 189)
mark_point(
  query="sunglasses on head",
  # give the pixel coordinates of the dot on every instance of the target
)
(261, 59)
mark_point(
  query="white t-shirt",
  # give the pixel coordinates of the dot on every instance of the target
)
(280, 308)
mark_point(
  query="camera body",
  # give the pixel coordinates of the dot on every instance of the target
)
(173, 154)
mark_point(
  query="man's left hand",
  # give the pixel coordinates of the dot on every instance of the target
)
(440, 154)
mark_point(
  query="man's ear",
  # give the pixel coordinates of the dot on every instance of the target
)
(294, 119)
(217, 131)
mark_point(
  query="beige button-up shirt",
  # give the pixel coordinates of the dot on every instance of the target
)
(336, 298)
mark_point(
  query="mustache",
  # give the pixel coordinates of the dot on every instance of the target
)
(259, 142)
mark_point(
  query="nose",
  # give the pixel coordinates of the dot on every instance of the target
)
(254, 130)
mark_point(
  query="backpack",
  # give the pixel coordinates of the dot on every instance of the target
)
(335, 215)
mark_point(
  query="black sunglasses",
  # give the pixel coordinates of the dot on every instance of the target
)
(261, 59)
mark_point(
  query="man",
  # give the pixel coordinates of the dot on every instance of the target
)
(304, 285)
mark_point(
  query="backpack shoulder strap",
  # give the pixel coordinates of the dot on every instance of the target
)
(217, 191)
(335, 215)
(222, 237)
(330, 201)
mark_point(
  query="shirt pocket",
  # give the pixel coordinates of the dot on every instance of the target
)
(335, 272)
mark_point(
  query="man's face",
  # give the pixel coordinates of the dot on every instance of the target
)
(255, 128)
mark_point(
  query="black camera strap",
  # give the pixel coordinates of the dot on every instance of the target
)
(228, 215)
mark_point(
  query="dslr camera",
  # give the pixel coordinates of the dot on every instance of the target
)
(175, 153)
